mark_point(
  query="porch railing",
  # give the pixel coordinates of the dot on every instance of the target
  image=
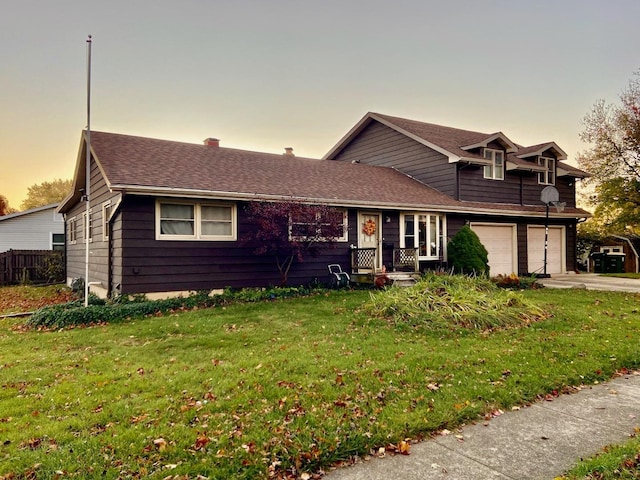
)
(363, 260)
(406, 259)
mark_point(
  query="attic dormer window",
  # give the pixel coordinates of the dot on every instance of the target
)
(548, 177)
(495, 170)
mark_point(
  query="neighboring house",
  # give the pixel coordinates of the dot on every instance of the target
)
(170, 217)
(40, 228)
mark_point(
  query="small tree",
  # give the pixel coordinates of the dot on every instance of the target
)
(5, 209)
(46, 193)
(289, 230)
(466, 253)
(613, 134)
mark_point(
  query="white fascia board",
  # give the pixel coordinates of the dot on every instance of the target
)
(561, 154)
(357, 128)
(243, 196)
(364, 121)
(451, 156)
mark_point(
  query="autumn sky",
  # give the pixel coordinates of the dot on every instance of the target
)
(263, 75)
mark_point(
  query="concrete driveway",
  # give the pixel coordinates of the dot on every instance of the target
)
(592, 281)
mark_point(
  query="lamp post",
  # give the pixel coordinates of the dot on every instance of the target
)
(549, 195)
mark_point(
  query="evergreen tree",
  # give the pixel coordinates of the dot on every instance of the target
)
(466, 253)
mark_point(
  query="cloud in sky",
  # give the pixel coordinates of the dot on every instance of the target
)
(263, 75)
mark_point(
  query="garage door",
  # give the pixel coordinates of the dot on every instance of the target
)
(555, 250)
(500, 242)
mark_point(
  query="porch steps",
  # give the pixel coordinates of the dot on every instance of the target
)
(400, 279)
(403, 279)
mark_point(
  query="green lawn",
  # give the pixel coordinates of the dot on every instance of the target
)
(272, 389)
(622, 275)
(619, 462)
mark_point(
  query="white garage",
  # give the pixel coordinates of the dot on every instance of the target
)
(500, 240)
(556, 248)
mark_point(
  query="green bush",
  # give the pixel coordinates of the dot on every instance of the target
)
(466, 254)
(123, 307)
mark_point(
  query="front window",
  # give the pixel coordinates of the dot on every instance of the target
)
(307, 224)
(495, 170)
(548, 177)
(195, 221)
(426, 232)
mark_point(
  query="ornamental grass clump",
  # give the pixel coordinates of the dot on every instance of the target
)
(454, 301)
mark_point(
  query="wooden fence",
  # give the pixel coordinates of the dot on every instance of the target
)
(31, 266)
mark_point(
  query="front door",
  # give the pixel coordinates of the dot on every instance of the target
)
(370, 237)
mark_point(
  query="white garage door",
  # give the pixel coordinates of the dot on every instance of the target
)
(555, 250)
(500, 242)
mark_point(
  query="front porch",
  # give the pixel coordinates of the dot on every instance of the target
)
(365, 268)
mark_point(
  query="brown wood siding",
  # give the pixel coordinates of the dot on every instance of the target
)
(380, 145)
(475, 188)
(99, 249)
(150, 265)
(523, 251)
(456, 222)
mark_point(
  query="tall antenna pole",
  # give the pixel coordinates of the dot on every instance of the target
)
(87, 223)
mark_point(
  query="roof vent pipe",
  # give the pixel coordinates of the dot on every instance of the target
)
(288, 152)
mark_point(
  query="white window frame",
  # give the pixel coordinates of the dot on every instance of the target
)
(87, 227)
(342, 238)
(548, 177)
(440, 234)
(106, 213)
(72, 224)
(492, 171)
(612, 249)
(53, 244)
(197, 220)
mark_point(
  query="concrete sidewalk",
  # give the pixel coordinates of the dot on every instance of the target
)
(592, 281)
(537, 442)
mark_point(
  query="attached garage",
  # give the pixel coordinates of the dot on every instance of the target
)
(556, 247)
(500, 240)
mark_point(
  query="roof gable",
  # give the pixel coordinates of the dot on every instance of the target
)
(51, 206)
(458, 144)
(147, 166)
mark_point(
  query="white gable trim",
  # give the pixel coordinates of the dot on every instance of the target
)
(511, 147)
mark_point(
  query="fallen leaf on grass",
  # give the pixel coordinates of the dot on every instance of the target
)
(201, 441)
(160, 444)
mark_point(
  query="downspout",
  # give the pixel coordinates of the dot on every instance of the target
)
(110, 243)
(109, 256)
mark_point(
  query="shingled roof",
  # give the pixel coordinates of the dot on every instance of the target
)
(141, 165)
(456, 143)
(147, 166)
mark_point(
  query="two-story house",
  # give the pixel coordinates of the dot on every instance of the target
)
(497, 183)
(169, 217)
